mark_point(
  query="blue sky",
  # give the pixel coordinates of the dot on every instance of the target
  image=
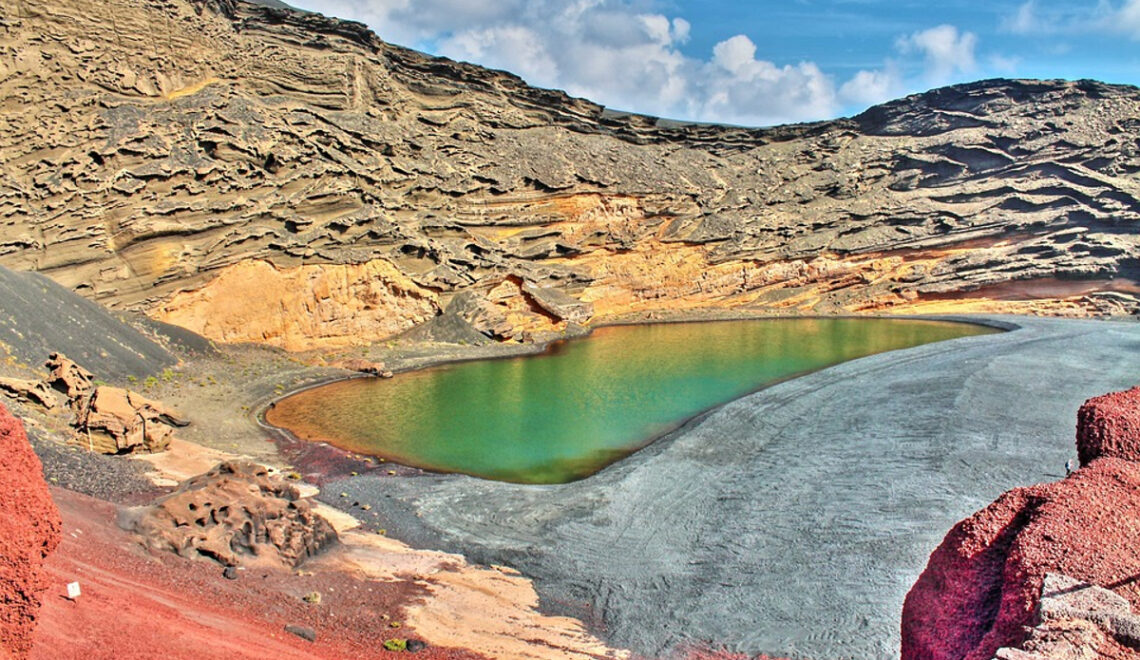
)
(762, 63)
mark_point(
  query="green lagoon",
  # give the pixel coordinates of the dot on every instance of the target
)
(585, 403)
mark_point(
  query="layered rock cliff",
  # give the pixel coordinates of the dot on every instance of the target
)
(156, 152)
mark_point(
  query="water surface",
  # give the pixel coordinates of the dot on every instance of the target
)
(586, 403)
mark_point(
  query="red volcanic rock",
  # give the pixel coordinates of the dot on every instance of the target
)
(981, 587)
(1109, 425)
(29, 531)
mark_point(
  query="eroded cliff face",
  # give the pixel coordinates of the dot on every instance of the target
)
(155, 150)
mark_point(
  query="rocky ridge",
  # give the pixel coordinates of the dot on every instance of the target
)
(176, 156)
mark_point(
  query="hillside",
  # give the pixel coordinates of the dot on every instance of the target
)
(257, 174)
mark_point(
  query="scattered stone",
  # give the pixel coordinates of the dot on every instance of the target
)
(304, 632)
(313, 597)
(230, 573)
(237, 513)
(396, 645)
(416, 645)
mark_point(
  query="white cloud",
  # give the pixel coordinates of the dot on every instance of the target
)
(871, 87)
(1127, 20)
(1103, 17)
(1025, 20)
(1006, 65)
(946, 51)
(626, 56)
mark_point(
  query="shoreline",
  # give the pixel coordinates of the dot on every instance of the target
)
(551, 533)
(575, 539)
(283, 435)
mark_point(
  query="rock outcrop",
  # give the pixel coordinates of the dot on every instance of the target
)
(34, 391)
(68, 378)
(113, 420)
(981, 590)
(235, 514)
(110, 420)
(161, 155)
(29, 531)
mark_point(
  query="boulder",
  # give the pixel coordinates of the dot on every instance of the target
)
(36, 391)
(482, 314)
(559, 304)
(235, 514)
(120, 421)
(363, 366)
(1109, 425)
(29, 531)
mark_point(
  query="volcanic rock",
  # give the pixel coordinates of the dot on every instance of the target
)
(117, 421)
(35, 391)
(363, 366)
(235, 514)
(292, 179)
(69, 378)
(1078, 621)
(982, 588)
(1109, 425)
(29, 531)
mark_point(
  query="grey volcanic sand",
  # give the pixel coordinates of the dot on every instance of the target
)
(794, 520)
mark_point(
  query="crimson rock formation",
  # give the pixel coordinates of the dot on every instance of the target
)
(29, 531)
(259, 174)
(982, 587)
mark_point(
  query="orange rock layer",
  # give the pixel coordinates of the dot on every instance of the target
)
(305, 307)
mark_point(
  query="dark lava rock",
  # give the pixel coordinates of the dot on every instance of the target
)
(303, 632)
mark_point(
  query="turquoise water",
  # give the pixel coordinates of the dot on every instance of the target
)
(584, 404)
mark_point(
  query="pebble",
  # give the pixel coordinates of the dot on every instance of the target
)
(303, 632)
(230, 573)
